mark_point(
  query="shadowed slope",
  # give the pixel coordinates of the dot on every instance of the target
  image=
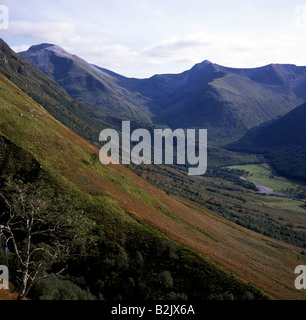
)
(283, 141)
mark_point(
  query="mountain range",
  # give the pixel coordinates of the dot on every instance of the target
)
(226, 101)
(82, 117)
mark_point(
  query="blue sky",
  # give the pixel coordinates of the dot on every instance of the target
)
(139, 38)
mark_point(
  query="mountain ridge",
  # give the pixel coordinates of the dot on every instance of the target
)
(82, 117)
(86, 82)
(226, 101)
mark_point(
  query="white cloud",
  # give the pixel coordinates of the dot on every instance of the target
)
(23, 47)
(55, 32)
(140, 38)
(173, 55)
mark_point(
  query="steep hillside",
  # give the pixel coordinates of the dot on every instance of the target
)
(82, 118)
(226, 101)
(283, 141)
(208, 255)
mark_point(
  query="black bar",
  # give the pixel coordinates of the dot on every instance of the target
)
(109, 310)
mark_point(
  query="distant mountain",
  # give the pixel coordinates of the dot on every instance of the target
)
(226, 101)
(283, 141)
(86, 82)
(82, 117)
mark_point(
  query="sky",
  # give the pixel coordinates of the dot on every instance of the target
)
(140, 38)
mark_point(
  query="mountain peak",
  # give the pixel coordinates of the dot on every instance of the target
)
(204, 63)
(41, 46)
(43, 51)
(207, 62)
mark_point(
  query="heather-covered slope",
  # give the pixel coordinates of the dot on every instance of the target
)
(138, 221)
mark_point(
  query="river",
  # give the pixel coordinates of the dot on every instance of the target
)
(263, 189)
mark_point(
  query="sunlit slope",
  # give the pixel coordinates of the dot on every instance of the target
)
(83, 118)
(264, 262)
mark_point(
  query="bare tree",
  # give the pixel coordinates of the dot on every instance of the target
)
(40, 230)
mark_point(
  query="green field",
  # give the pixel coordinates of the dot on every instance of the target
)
(295, 206)
(263, 175)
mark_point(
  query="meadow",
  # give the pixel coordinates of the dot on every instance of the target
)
(263, 174)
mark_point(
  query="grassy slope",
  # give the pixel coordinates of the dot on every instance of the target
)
(267, 263)
(8, 294)
(83, 118)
